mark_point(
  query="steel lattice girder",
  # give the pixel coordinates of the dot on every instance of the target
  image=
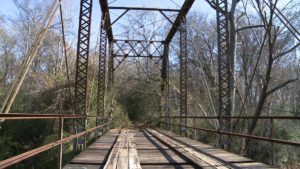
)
(138, 48)
(223, 70)
(183, 75)
(82, 62)
(102, 67)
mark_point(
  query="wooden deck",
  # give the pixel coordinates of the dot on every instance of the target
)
(158, 149)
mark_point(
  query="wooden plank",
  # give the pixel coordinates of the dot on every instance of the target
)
(96, 153)
(200, 159)
(252, 165)
(134, 162)
(234, 160)
(136, 149)
(183, 166)
(80, 166)
(122, 159)
(124, 154)
(209, 150)
(115, 152)
(151, 151)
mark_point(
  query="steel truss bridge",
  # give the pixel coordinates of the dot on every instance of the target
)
(145, 147)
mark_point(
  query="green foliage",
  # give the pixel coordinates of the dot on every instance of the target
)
(139, 102)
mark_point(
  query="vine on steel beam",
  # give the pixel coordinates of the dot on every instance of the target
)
(223, 71)
(102, 67)
(183, 76)
(82, 58)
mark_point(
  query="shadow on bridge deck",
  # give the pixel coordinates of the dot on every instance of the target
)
(149, 148)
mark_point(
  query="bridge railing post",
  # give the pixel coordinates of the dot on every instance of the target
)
(272, 144)
(61, 136)
(195, 130)
(171, 125)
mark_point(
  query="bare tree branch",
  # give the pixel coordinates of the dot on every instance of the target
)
(250, 27)
(281, 85)
(286, 52)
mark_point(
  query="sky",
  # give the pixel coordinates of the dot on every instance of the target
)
(71, 9)
(8, 8)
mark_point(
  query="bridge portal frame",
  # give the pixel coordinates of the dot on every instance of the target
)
(178, 25)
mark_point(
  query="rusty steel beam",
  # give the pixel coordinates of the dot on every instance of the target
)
(183, 11)
(224, 74)
(240, 117)
(138, 56)
(183, 75)
(119, 17)
(23, 116)
(143, 9)
(149, 41)
(105, 9)
(82, 56)
(138, 48)
(165, 82)
(82, 59)
(111, 66)
(165, 62)
(16, 159)
(268, 139)
(102, 68)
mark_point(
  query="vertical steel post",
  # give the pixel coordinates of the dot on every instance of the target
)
(172, 122)
(272, 144)
(165, 84)
(223, 72)
(102, 69)
(80, 106)
(111, 65)
(195, 130)
(61, 136)
(183, 76)
(167, 94)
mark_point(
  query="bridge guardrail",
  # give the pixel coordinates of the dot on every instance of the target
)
(30, 116)
(271, 139)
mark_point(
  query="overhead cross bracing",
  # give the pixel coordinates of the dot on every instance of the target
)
(138, 48)
(149, 147)
(149, 48)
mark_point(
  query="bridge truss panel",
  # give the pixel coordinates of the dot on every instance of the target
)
(138, 48)
(82, 58)
(102, 68)
(183, 75)
(223, 70)
(122, 49)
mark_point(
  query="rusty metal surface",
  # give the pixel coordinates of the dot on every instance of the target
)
(183, 11)
(143, 9)
(102, 68)
(183, 74)
(239, 117)
(224, 71)
(28, 116)
(268, 139)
